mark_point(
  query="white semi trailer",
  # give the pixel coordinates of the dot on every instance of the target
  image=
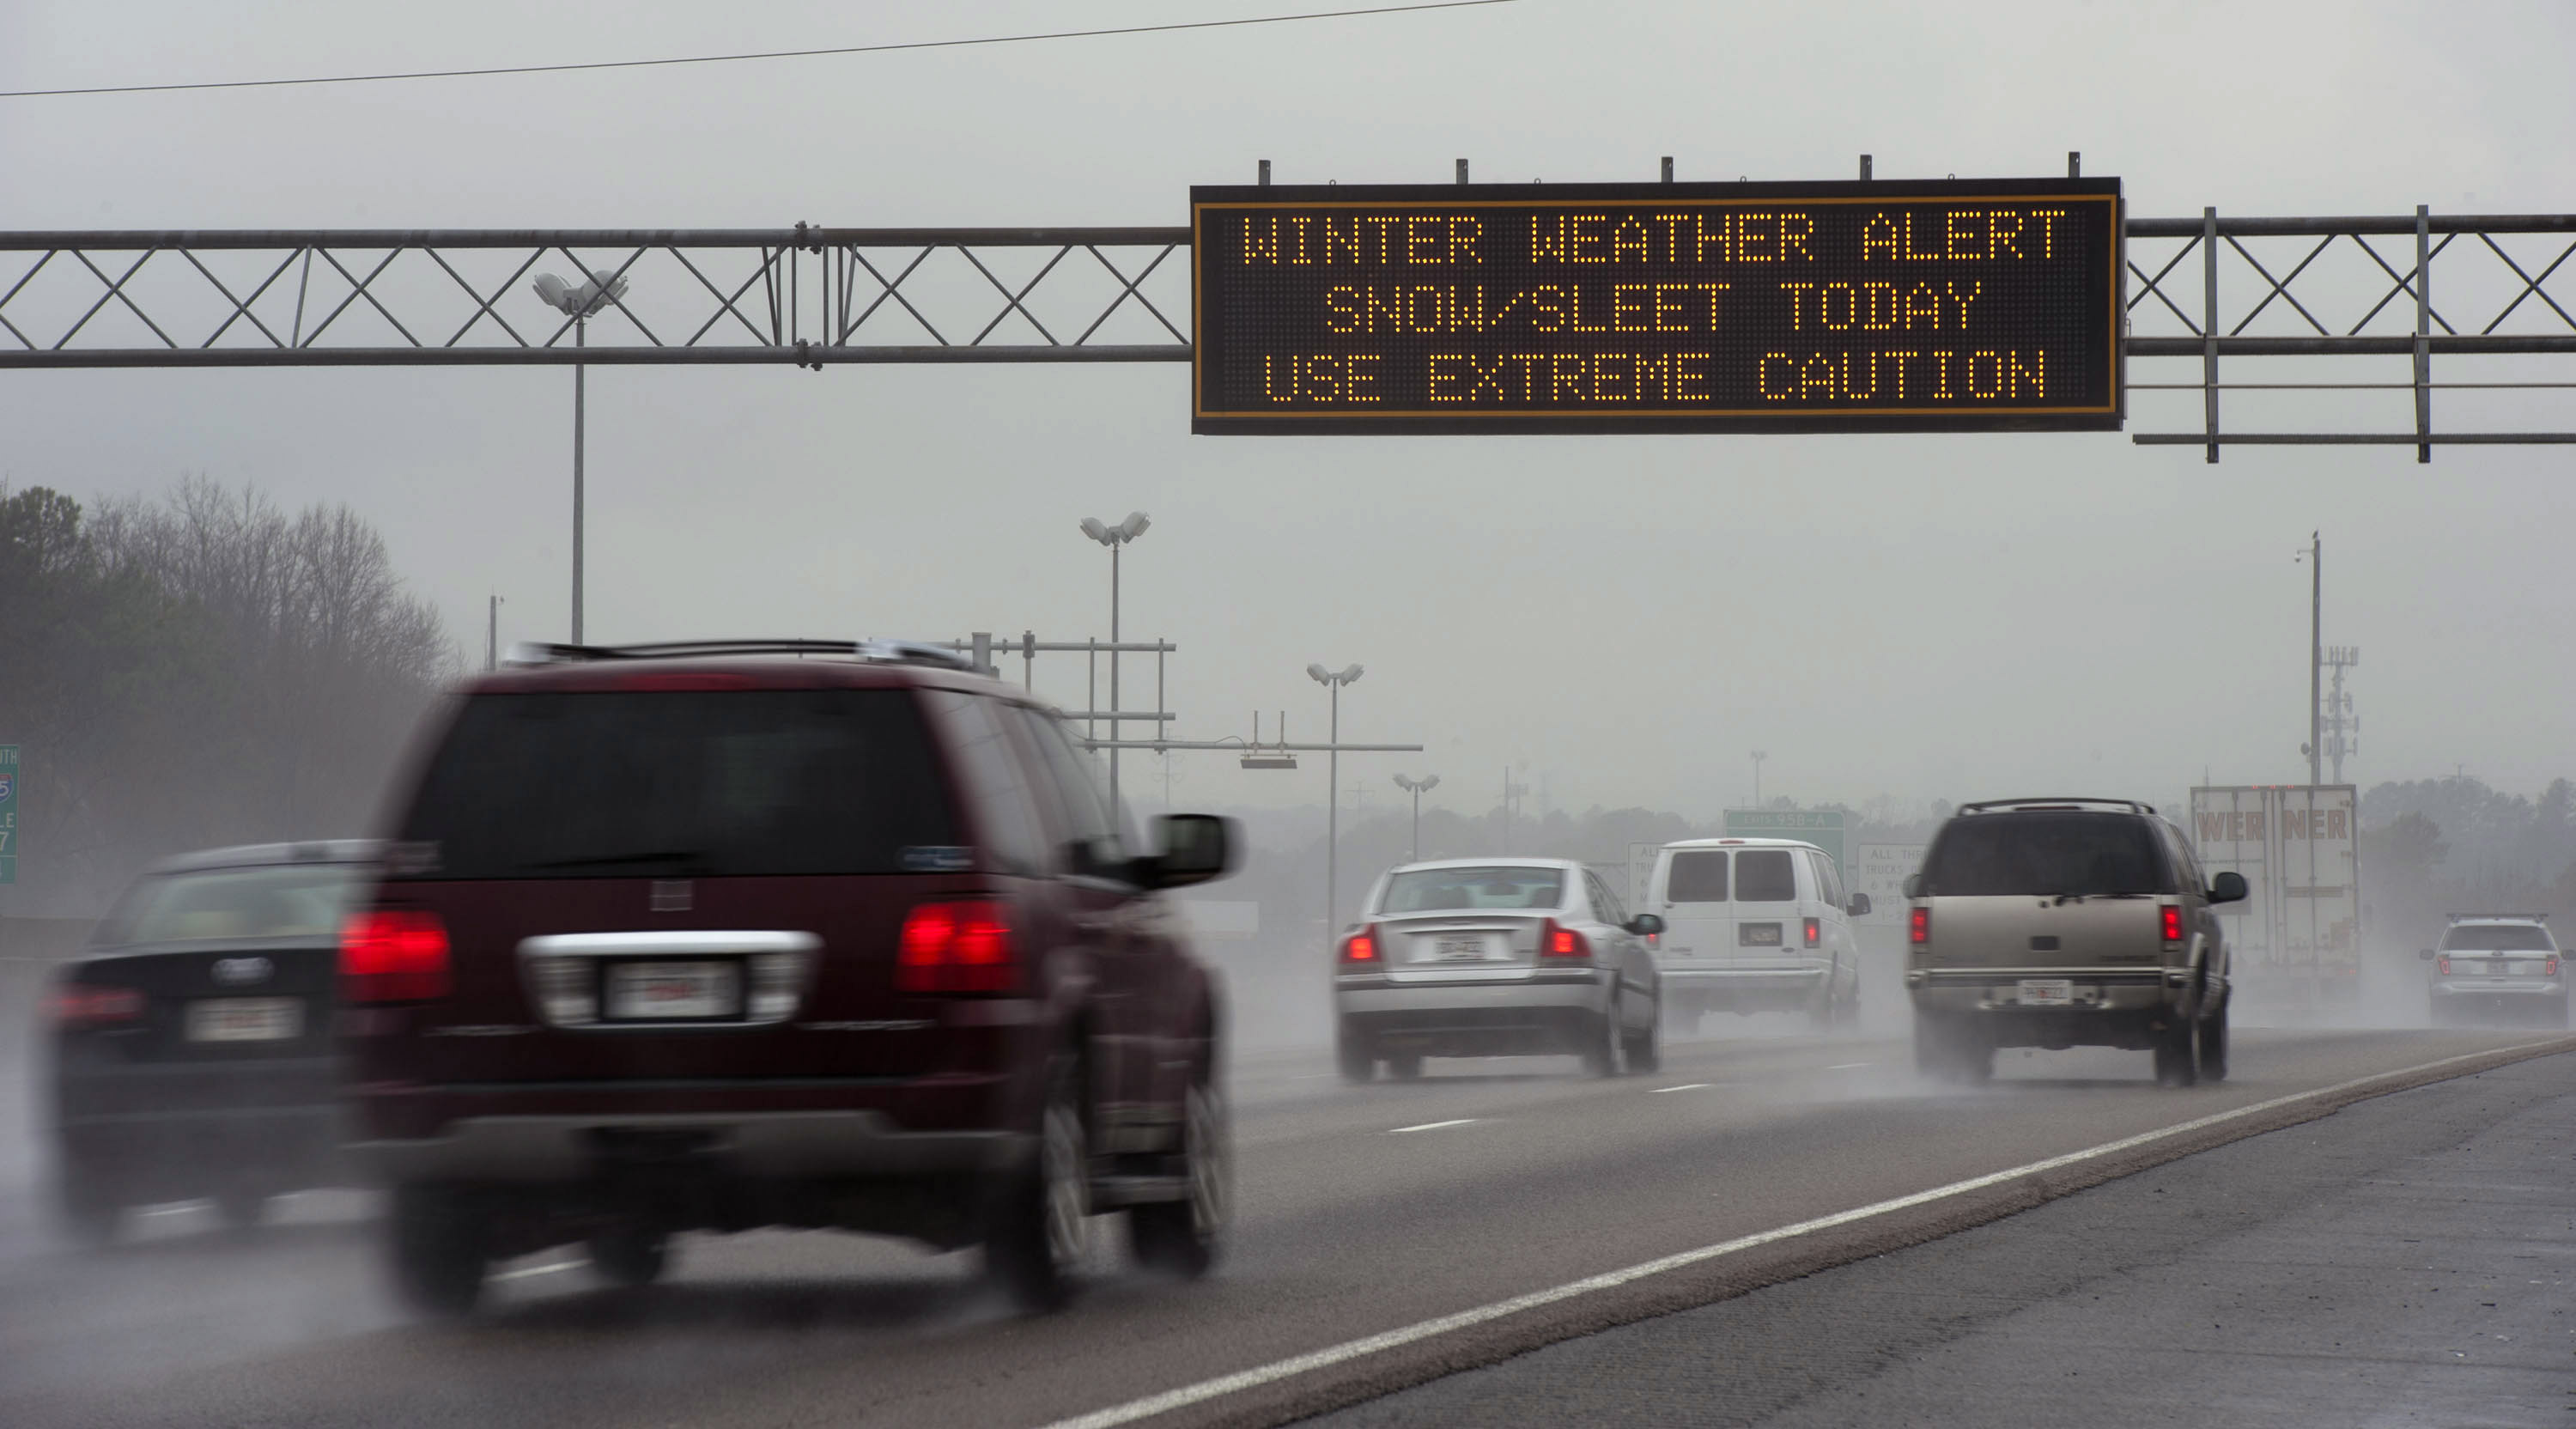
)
(2296, 937)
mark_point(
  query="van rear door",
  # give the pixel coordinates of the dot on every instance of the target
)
(1699, 922)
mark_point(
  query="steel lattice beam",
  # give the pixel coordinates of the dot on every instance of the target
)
(2205, 288)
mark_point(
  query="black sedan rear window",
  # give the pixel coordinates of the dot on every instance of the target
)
(682, 784)
(2044, 853)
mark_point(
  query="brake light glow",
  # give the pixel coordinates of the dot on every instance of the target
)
(2445, 965)
(2173, 924)
(1920, 928)
(957, 947)
(1815, 932)
(1556, 942)
(1360, 947)
(2550, 968)
(393, 955)
(76, 1004)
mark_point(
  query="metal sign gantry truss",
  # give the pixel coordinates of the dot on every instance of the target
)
(2202, 290)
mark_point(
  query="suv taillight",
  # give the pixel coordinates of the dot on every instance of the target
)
(2173, 925)
(80, 1004)
(1919, 929)
(1360, 947)
(957, 947)
(393, 955)
(1565, 943)
(1815, 931)
(2550, 969)
(2445, 965)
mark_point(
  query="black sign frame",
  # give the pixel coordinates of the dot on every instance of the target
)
(1217, 409)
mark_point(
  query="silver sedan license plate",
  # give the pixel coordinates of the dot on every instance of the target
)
(2046, 992)
(245, 1019)
(1459, 948)
(673, 992)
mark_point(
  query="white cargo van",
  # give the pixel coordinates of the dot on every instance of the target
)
(1755, 925)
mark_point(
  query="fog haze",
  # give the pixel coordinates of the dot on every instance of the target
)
(1919, 616)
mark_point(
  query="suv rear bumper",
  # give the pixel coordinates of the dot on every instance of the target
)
(785, 1146)
(1990, 990)
(824, 1129)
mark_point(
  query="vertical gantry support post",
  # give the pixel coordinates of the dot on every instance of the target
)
(1864, 168)
(1668, 168)
(580, 338)
(1462, 171)
(1029, 661)
(1265, 173)
(2423, 336)
(2209, 325)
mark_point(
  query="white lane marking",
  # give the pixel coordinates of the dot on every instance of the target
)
(1684, 1087)
(1348, 1350)
(541, 1269)
(1433, 1125)
(170, 1210)
(1849, 1066)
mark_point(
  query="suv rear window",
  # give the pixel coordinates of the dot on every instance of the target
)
(2050, 853)
(1765, 875)
(2498, 938)
(684, 784)
(1696, 877)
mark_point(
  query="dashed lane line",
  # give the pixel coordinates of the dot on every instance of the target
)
(1434, 1125)
(548, 1269)
(1348, 1350)
(1684, 1087)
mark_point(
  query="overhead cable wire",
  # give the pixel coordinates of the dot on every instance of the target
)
(758, 55)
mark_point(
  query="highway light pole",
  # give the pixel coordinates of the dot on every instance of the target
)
(1758, 756)
(578, 302)
(1333, 680)
(1116, 539)
(1417, 788)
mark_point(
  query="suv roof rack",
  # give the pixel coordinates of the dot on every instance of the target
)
(2071, 802)
(2497, 917)
(897, 652)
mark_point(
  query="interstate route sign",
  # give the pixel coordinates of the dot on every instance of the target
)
(1952, 305)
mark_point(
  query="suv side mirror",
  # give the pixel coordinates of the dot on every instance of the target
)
(1195, 849)
(2228, 887)
(1644, 925)
(1859, 905)
(2425, 953)
(1913, 885)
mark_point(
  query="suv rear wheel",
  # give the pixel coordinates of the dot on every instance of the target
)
(437, 1250)
(2177, 1055)
(1180, 1237)
(629, 1254)
(2213, 1046)
(1039, 1227)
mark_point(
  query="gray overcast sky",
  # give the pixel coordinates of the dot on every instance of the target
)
(1927, 616)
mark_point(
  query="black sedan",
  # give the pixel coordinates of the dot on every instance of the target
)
(191, 1041)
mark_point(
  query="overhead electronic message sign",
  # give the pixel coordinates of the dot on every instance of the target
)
(1957, 305)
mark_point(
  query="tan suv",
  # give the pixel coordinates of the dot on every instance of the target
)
(2061, 923)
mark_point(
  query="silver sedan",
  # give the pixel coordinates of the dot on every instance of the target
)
(1495, 958)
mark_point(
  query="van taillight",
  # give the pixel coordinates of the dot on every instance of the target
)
(1556, 942)
(2173, 925)
(78, 1004)
(1815, 932)
(1920, 929)
(393, 955)
(1360, 947)
(957, 947)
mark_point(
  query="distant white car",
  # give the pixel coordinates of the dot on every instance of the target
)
(1496, 957)
(2496, 965)
(1756, 925)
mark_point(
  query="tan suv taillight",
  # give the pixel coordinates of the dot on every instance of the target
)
(1919, 931)
(2173, 924)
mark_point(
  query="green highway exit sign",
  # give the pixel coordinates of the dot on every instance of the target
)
(1821, 827)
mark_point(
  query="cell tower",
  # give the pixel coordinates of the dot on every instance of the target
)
(2341, 726)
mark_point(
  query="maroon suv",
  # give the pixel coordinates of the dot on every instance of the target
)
(802, 933)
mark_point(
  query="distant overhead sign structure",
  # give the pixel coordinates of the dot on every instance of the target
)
(1956, 305)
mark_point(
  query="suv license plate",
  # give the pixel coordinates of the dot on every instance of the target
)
(1465, 948)
(246, 1019)
(673, 992)
(2047, 992)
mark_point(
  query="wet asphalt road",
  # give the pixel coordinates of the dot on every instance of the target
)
(1360, 1210)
